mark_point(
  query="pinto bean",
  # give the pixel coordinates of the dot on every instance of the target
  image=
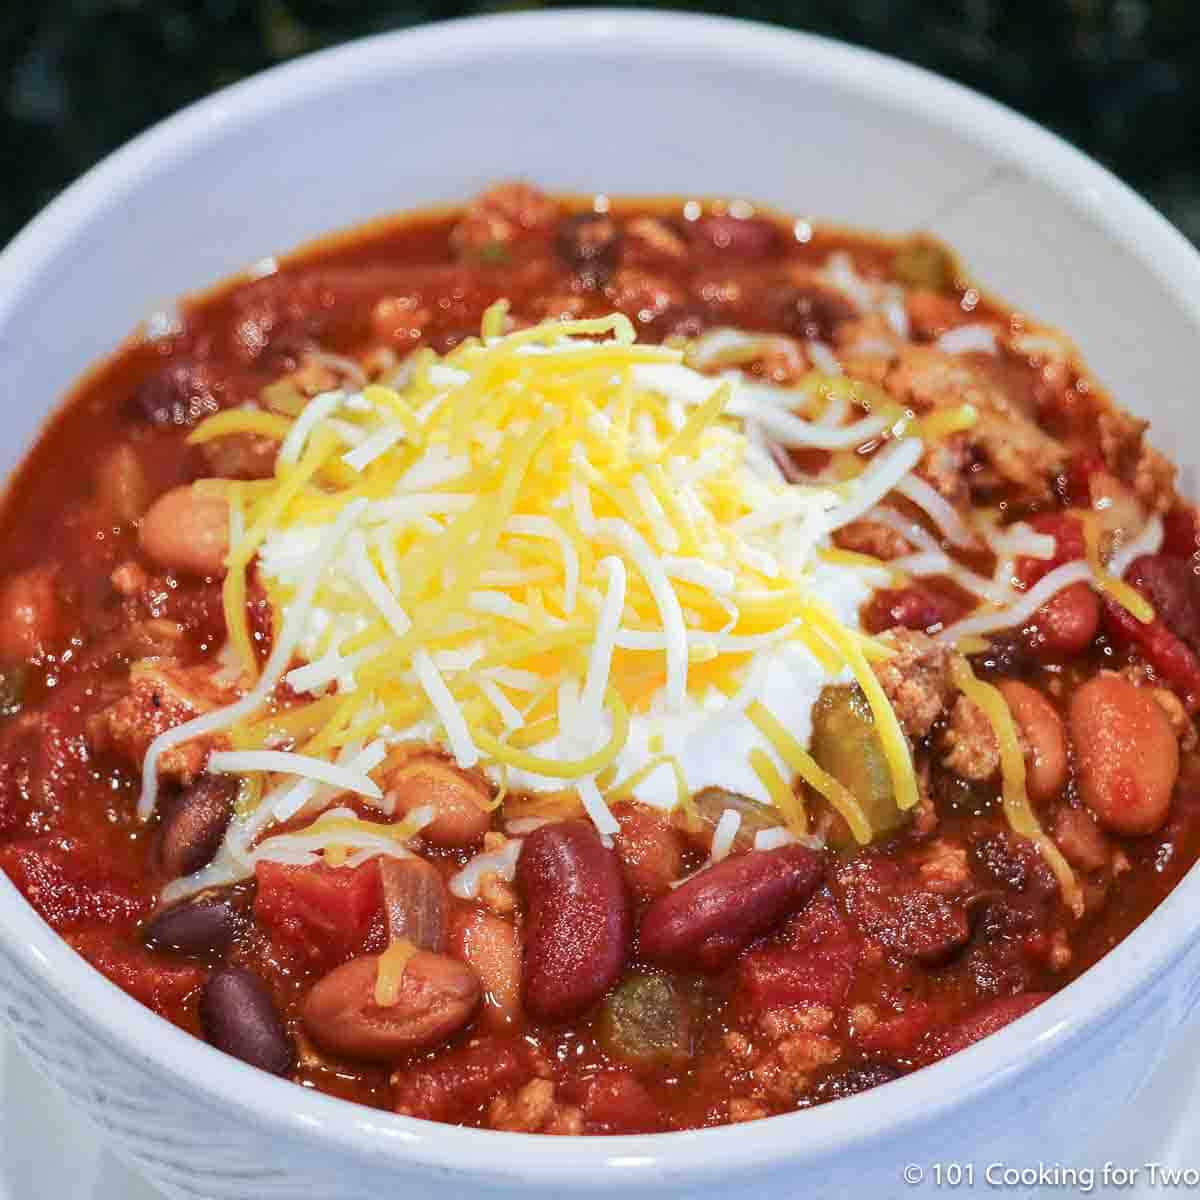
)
(578, 919)
(31, 615)
(121, 484)
(201, 927)
(707, 921)
(239, 1017)
(188, 532)
(192, 824)
(1127, 752)
(437, 996)
(457, 798)
(1045, 737)
(491, 945)
(415, 901)
(1080, 839)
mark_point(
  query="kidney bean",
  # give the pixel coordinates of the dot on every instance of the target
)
(578, 919)
(1046, 766)
(650, 850)
(415, 901)
(187, 532)
(239, 1017)
(1127, 753)
(437, 996)
(491, 946)
(201, 927)
(707, 921)
(31, 615)
(810, 311)
(457, 798)
(919, 606)
(589, 243)
(1065, 625)
(740, 237)
(180, 393)
(192, 825)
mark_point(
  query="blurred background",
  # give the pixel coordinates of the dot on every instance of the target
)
(1119, 78)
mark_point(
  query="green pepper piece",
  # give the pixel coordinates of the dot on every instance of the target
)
(711, 802)
(494, 254)
(846, 744)
(924, 263)
(645, 1021)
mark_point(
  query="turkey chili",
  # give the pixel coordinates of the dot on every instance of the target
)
(596, 666)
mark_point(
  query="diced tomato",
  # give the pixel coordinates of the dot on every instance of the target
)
(613, 1102)
(819, 921)
(321, 915)
(156, 981)
(921, 605)
(1173, 588)
(1181, 532)
(1067, 532)
(1172, 659)
(1067, 623)
(897, 1036)
(989, 1018)
(778, 976)
(887, 901)
(70, 889)
(454, 1085)
(814, 965)
(1175, 593)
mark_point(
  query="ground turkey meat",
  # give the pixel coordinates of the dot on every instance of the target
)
(916, 679)
(1010, 446)
(969, 746)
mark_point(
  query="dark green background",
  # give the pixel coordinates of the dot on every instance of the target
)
(1120, 78)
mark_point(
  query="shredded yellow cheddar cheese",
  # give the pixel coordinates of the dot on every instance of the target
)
(1017, 809)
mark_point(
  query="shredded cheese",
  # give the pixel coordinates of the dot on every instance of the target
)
(392, 964)
(1129, 598)
(1017, 809)
(521, 549)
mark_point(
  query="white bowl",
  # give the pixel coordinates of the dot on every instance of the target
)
(621, 102)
